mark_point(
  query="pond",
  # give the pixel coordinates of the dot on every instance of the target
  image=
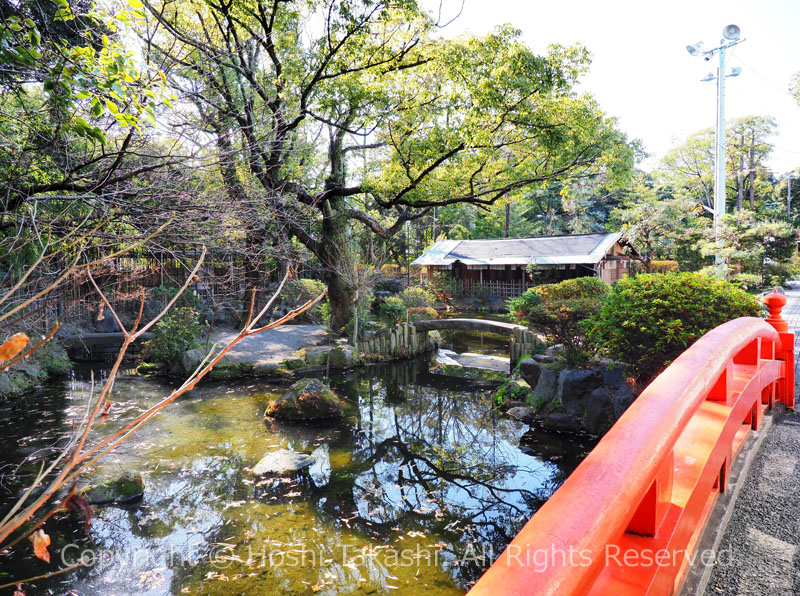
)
(421, 487)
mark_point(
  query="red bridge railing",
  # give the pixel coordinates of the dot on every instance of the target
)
(627, 520)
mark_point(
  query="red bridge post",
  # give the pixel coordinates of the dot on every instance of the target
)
(775, 303)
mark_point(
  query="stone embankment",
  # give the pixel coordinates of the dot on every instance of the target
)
(572, 400)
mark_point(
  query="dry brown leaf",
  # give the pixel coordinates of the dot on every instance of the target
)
(40, 542)
(104, 415)
(13, 346)
(80, 504)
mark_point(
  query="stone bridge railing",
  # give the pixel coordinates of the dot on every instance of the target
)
(411, 339)
(401, 341)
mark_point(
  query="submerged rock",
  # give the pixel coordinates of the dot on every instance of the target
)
(307, 399)
(562, 422)
(282, 462)
(124, 489)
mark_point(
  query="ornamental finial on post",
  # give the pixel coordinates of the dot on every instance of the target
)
(775, 303)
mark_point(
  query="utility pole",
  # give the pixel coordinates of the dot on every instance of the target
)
(731, 38)
(719, 179)
(789, 197)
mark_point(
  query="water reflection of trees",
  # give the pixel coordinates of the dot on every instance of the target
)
(439, 460)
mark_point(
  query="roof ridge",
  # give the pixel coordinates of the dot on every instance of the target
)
(535, 237)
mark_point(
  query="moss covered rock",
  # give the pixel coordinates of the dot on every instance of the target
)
(307, 399)
(231, 370)
(343, 356)
(48, 361)
(148, 368)
(126, 488)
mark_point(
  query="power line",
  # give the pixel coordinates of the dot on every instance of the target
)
(778, 87)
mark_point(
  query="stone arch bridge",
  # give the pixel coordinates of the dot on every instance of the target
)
(409, 339)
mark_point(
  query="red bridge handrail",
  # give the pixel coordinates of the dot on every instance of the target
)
(625, 483)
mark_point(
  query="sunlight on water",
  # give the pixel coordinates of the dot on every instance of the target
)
(420, 487)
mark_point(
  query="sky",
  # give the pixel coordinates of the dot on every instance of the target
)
(641, 72)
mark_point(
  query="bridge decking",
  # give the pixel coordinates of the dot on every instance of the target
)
(469, 325)
(759, 552)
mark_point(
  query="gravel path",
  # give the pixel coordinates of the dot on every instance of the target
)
(272, 345)
(760, 549)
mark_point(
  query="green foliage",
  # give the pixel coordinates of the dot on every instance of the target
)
(510, 390)
(365, 323)
(747, 241)
(559, 310)
(572, 289)
(53, 359)
(421, 313)
(654, 222)
(393, 309)
(649, 320)
(521, 309)
(417, 297)
(178, 331)
(442, 285)
(747, 281)
(537, 403)
(299, 291)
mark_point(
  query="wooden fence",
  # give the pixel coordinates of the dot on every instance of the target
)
(499, 289)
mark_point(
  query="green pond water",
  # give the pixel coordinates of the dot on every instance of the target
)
(419, 488)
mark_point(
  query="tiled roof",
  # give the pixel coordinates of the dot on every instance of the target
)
(541, 250)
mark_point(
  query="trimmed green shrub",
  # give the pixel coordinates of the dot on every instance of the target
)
(573, 289)
(393, 310)
(520, 310)
(647, 321)
(559, 311)
(746, 281)
(415, 297)
(421, 313)
(178, 331)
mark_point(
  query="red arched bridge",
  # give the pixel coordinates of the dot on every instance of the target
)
(628, 519)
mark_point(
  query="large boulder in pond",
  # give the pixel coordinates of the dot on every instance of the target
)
(307, 399)
(187, 362)
(125, 488)
(282, 462)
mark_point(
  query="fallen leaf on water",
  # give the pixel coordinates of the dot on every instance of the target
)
(13, 346)
(40, 542)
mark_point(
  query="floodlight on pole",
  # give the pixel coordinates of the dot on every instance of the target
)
(695, 49)
(731, 33)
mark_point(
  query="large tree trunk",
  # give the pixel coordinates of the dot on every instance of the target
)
(341, 299)
(335, 262)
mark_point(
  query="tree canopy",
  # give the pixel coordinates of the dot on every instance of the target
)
(294, 96)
